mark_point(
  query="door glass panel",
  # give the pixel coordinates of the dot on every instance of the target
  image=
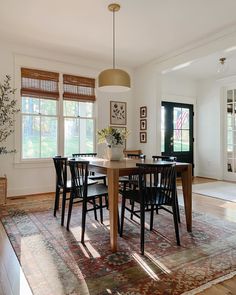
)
(185, 118)
(229, 96)
(185, 140)
(181, 130)
(230, 108)
(229, 121)
(177, 141)
(177, 118)
(230, 137)
(231, 131)
(230, 165)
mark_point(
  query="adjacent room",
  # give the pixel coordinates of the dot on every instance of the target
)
(117, 147)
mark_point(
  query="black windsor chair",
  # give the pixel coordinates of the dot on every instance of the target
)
(81, 191)
(157, 187)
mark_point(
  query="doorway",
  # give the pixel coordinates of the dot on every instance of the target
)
(177, 131)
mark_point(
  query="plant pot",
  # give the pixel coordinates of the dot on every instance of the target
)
(3, 190)
(115, 153)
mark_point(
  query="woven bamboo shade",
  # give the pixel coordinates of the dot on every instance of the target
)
(78, 88)
(40, 84)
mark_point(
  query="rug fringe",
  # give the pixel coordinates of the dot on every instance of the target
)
(210, 284)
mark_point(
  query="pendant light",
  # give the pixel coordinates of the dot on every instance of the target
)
(222, 66)
(114, 80)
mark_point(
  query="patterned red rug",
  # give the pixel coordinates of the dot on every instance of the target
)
(55, 262)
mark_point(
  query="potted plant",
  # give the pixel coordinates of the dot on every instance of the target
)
(8, 108)
(115, 140)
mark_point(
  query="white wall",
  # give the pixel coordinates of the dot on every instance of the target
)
(37, 178)
(209, 129)
(177, 88)
(210, 126)
(147, 89)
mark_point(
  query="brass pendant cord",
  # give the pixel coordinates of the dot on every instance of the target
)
(114, 80)
(114, 42)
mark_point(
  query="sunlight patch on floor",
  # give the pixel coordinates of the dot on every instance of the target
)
(145, 267)
(158, 263)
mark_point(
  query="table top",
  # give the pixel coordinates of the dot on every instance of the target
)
(126, 163)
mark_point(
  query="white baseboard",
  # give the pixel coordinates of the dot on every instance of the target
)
(14, 192)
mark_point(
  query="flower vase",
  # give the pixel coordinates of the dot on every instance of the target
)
(115, 153)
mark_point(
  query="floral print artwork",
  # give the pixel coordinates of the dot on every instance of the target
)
(118, 113)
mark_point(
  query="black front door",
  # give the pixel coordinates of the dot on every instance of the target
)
(177, 131)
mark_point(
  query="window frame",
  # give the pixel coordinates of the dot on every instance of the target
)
(19, 162)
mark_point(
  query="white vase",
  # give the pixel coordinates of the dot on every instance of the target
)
(115, 153)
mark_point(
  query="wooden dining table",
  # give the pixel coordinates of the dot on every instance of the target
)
(125, 167)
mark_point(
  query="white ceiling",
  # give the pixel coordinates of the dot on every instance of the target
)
(207, 67)
(146, 29)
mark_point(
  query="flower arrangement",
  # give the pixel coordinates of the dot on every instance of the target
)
(112, 136)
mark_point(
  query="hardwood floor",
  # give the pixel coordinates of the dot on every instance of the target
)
(13, 282)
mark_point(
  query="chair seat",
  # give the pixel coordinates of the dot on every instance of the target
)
(68, 183)
(97, 190)
(152, 196)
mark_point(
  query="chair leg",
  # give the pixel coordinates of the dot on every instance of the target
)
(175, 216)
(57, 197)
(118, 221)
(132, 209)
(69, 210)
(104, 181)
(95, 209)
(107, 203)
(151, 217)
(63, 207)
(84, 212)
(101, 212)
(142, 226)
(122, 217)
(177, 205)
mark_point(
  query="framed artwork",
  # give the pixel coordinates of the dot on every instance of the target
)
(143, 137)
(117, 113)
(143, 124)
(143, 112)
(120, 128)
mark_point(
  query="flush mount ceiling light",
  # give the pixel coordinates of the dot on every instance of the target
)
(222, 66)
(114, 80)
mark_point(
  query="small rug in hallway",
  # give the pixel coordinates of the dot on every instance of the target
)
(217, 189)
(55, 262)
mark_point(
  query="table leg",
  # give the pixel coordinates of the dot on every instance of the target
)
(186, 176)
(113, 192)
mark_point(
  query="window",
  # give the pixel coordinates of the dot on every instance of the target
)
(78, 127)
(39, 128)
(41, 112)
(231, 130)
(78, 114)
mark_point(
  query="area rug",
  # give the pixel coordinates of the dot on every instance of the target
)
(55, 262)
(217, 189)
